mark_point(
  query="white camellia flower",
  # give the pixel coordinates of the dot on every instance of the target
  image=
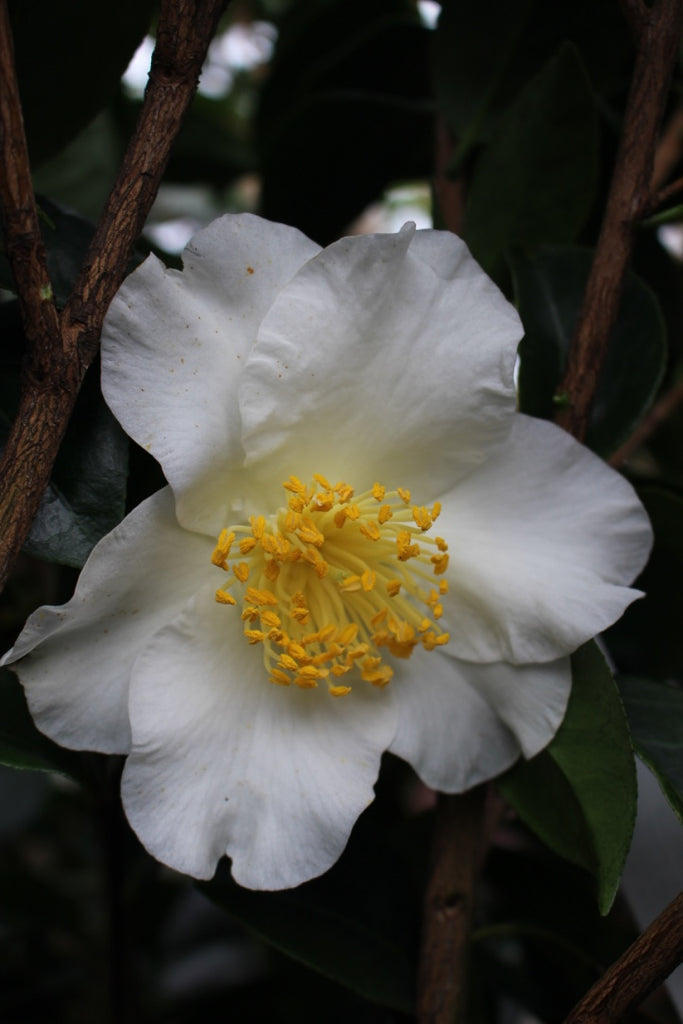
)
(363, 547)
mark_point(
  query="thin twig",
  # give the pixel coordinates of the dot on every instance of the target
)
(663, 195)
(24, 243)
(57, 363)
(660, 412)
(669, 150)
(448, 905)
(641, 969)
(629, 195)
(635, 12)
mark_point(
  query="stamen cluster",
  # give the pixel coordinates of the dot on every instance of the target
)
(330, 580)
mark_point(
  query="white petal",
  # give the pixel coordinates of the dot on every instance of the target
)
(175, 344)
(76, 659)
(543, 540)
(225, 761)
(461, 723)
(385, 351)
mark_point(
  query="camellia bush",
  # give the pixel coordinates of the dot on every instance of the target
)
(340, 511)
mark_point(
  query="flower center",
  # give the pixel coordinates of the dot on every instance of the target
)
(330, 582)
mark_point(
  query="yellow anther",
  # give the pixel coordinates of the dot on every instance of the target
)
(380, 677)
(311, 672)
(344, 491)
(431, 640)
(350, 584)
(325, 603)
(260, 596)
(436, 510)
(323, 502)
(258, 526)
(348, 634)
(271, 570)
(297, 651)
(295, 486)
(422, 517)
(309, 532)
(406, 550)
(368, 579)
(370, 530)
(440, 563)
(222, 549)
(305, 683)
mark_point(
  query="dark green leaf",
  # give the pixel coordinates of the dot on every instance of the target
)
(535, 181)
(579, 795)
(21, 745)
(346, 110)
(66, 237)
(80, 176)
(655, 715)
(470, 64)
(333, 945)
(70, 57)
(485, 52)
(86, 497)
(549, 289)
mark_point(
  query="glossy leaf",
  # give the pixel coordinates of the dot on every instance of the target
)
(579, 795)
(535, 181)
(346, 110)
(70, 57)
(21, 744)
(336, 946)
(549, 288)
(86, 496)
(655, 715)
(485, 52)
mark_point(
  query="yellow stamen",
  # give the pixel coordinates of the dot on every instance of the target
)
(335, 584)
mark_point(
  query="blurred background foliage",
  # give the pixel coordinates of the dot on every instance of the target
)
(324, 114)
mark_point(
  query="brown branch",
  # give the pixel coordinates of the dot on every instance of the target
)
(448, 905)
(24, 243)
(664, 194)
(635, 12)
(629, 195)
(660, 412)
(669, 149)
(59, 354)
(642, 968)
